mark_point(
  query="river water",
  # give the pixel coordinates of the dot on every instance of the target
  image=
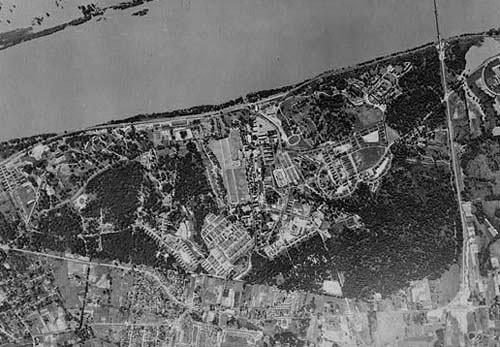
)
(191, 52)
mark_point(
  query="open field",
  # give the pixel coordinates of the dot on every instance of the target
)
(449, 284)
(236, 184)
(233, 169)
(491, 207)
(367, 157)
(366, 116)
(392, 135)
(390, 326)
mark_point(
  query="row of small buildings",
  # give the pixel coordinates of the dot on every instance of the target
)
(227, 242)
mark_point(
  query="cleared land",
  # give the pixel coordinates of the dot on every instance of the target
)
(233, 169)
(366, 116)
(367, 157)
(392, 135)
(236, 185)
(449, 285)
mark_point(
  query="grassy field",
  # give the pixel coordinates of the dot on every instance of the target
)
(390, 326)
(490, 207)
(449, 285)
(236, 185)
(367, 157)
(366, 116)
(392, 135)
(226, 152)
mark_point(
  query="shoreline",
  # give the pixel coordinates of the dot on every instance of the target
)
(205, 108)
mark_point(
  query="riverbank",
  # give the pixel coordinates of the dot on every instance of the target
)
(181, 55)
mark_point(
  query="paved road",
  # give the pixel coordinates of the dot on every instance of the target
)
(120, 267)
(455, 163)
(125, 324)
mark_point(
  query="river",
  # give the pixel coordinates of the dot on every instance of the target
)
(189, 52)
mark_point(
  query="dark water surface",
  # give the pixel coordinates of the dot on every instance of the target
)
(191, 52)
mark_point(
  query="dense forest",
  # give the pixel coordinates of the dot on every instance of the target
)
(480, 162)
(192, 188)
(409, 234)
(8, 228)
(410, 223)
(329, 116)
(418, 103)
(127, 246)
(61, 230)
(116, 194)
(58, 230)
(421, 93)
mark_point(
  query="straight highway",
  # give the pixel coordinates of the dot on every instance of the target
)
(454, 161)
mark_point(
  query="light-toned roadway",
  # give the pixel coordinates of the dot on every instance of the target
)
(455, 163)
(120, 267)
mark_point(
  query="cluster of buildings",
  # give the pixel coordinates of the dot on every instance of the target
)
(267, 137)
(174, 130)
(362, 157)
(483, 288)
(287, 172)
(298, 224)
(262, 312)
(474, 281)
(227, 242)
(16, 189)
(220, 300)
(193, 333)
(386, 87)
(30, 303)
(139, 335)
